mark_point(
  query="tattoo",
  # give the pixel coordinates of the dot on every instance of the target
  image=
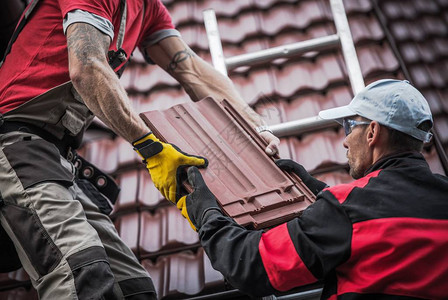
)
(178, 58)
(86, 43)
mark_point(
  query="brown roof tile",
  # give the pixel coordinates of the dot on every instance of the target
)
(335, 178)
(165, 229)
(318, 150)
(183, 273)
(204, 128)
(20, 293)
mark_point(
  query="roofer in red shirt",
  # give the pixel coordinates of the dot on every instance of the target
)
(60, 70)
(383, 236)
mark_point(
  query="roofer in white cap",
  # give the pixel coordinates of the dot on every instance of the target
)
(393, 114)
(382, 236)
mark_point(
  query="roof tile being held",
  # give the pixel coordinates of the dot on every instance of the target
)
(249, 186)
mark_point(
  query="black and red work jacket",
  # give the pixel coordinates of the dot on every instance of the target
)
(384, 236)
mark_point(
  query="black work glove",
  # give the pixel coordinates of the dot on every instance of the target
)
(194, 206)
(312, 183)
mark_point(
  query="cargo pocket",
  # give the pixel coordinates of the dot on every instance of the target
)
(35, 241)
(37, 161)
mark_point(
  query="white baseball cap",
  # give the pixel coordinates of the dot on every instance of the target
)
(392, 103)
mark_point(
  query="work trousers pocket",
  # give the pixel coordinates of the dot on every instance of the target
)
(33, 161)
(36, 161)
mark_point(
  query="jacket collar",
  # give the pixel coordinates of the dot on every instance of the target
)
(401, 159)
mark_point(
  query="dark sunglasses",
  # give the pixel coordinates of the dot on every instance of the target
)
(348, 125)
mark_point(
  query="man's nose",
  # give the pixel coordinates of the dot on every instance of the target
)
(344, 143)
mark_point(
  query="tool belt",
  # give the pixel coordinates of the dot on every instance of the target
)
(85, 170)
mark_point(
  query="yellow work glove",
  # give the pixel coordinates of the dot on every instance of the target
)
(166, 164)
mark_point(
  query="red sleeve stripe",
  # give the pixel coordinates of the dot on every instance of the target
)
(399, 256)
(342, 191)
(281, 261)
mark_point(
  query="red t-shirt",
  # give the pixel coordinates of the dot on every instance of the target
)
(38, 60)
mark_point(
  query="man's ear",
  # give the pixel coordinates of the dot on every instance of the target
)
(373, 133)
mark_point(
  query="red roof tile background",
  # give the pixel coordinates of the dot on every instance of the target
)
(400, 39)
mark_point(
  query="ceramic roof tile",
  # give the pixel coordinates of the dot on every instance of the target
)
(128, 226)
(148, 195)
(443, 98)
(439, 73)
(183, 273)
(272, 112)
(137, 57)
(307, 75)
(128, 77)
(291, 16)
(162, 99)
(138, 190)
(376, 59)
(425, 6)
(236, 30)
(181, 12)
(435, 101)
(397, 10)
(427, 26)
(125, 154)
(419, 73)
(149, 76)
(128, 194)
(284, 150)
(14, 278)
(418, 52)
(441, 126)
(195, 35)
(263, 4)
(430, 76)
(434, 26)
(224, 8)
(318, 150)
(304, 106)
(206, 128)
(254, 85)
(434, 161)
(165, 229)
(20, 293)
(309, 105)
(293, 36)
(357, 6)
(365, 27)
(335, 178)
(440, 45)
(103, 154)
(246, 46)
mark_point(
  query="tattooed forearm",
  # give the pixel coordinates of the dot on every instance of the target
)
(86, 43)
(178, 58)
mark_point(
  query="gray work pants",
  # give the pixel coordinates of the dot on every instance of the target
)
(67, 246)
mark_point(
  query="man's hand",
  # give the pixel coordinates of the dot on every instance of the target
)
(166, 163)
(273, 142)
(194, 206)
(312, 183)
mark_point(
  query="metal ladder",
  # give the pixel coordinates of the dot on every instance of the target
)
(342, 38)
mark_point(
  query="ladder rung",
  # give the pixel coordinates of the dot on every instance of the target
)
(315, 44)
(301, 126)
